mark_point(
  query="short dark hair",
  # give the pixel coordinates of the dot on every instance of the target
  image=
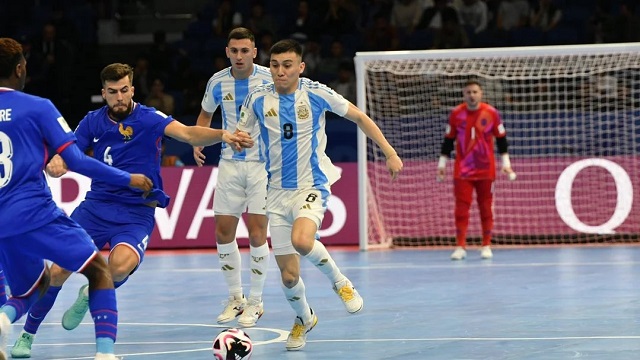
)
(10, 56)
(285, 46)
(240, 33)
(473, 82)
(115, 72)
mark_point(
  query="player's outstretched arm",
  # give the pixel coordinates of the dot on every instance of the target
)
(82, 164)
(201, 136)
(364, 122)
(204, 119)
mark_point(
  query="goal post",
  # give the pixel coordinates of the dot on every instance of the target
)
(572, 115)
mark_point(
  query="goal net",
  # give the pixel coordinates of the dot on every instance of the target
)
(572, 115)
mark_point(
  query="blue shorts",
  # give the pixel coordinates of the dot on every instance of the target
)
(62, 241)
(116, 224)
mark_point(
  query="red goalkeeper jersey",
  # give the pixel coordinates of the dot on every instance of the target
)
(473, 132)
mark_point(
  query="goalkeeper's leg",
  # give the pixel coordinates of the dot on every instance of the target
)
(463, 191)
(484, 195)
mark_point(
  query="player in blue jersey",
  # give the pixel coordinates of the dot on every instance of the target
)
(242, 180)
(33, 227)
(125, 135)
(291, 116)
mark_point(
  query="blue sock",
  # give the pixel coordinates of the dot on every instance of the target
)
(16, 307)
(104, 345)
(104, 311)
(10, 311)
(40, 309)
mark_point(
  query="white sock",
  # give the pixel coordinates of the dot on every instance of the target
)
(259, 267)
(296, 296)
(230, 262)
(319, 256)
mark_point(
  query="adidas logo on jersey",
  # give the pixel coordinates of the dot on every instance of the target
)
(228, 97)
(305, 207)
(271, 112)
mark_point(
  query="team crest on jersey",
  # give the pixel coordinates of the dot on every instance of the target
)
(127, 132)
(303, 112)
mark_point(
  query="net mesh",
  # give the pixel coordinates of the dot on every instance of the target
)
(573, 126)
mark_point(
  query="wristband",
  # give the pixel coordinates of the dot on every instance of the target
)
(442, 162)
(506, 163)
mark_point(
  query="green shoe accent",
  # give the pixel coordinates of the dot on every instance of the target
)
(22, 348)
(74, 315)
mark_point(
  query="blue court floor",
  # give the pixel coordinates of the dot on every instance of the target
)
(526, 303)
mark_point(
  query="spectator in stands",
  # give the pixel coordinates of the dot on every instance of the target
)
(451, 35)
(58, 58)
(345, 83)
(338, 19)
(311, 57)
(474, 15)
(382, 37)
(305, 26)
(599, 23)
(512, 14)
(185, 76)
(260, 22)
(159, 99)
(226, 19)
(605, 92)
(369, 11)
(405, 15)
(328, 68)
(35, 82)
(434, 16)
(265, 43)
(161, 54)
(545, 15)
(142, 80)
(472, 127)
(626, 26)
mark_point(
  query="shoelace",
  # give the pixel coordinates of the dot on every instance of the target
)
(24, 340)
(298, 330)
(346, 293)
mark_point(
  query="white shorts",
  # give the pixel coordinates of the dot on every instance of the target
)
(242, 186)
(285, 206)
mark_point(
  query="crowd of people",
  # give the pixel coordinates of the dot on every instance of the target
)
(62, 46)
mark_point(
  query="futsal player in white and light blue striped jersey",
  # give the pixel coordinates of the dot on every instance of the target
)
(242, 180)
(33, 227)
(291, 116)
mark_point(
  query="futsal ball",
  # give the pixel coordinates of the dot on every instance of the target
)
(232, 344)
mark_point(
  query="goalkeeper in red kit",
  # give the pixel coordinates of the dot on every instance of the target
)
(472, 127)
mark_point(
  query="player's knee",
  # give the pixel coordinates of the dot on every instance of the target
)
(303, 244)
(120, 272)
(289, 279)
(257, 238)
(97, 271)
(225, 236)
(58, 275)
